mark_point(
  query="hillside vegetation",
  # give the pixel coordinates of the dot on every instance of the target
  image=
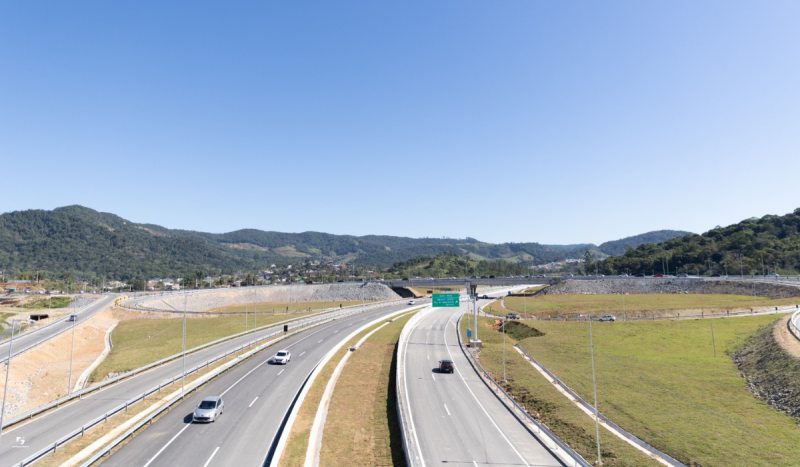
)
(753, 246)
(82, 240)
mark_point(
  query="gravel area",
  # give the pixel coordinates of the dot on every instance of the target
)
(648, 286)
(280, 293)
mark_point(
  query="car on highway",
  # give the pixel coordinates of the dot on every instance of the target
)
(773, 275)
(658, 275)
(282, 357)
(569, 275)
(73, 318)
(716, 275)
(404, 279)
(446, 366)
(411, 302)
(683, 274)
(607, 318)
(640, 274)
(512, 316)
(599, 275)
(208, 410)
(491, 277)
(623, 275)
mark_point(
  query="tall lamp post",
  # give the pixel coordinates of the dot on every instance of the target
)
(8, 372)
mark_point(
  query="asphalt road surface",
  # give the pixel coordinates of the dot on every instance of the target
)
(45, 430)
(458, 420)
(33, 338)
(256, 393)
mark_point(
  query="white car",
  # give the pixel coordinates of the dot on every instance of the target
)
(282, 357)
(607, 318)
(411, 302)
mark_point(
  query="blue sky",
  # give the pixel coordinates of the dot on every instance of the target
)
(556, 122)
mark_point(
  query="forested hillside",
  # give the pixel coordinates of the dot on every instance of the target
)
(753, 246)
(79, 239)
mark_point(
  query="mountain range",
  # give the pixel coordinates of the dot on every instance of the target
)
(82, 240)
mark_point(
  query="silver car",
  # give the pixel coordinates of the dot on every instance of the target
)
(209, 409)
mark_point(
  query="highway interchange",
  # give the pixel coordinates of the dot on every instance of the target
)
(458, 420)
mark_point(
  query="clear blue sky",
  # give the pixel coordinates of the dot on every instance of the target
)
(556, 122)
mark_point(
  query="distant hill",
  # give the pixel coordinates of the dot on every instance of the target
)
(753, 246)
(79, 239)
(618, 247)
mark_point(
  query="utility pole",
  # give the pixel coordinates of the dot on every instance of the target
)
(504, 349)
(71, 354)
(594, 382)
(741, 266)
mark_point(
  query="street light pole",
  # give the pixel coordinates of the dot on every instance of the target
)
(71, 353)
(594, 382)
(183, 348)
(504, 349)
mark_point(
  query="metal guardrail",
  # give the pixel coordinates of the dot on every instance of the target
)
(792, 324)
(124, 407)
(577, 459)
(653, 451)
(410, 447)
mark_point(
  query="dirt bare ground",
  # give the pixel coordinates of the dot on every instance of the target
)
(41, 375)
(785, 338)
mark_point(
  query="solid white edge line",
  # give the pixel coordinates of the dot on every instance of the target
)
(168, 443)
(405, 383)
(254, 401)
(212, 455)
(302, 354)
(446, 409)
(446, 345)
(279, 373)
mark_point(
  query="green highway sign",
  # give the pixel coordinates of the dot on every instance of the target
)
(446, 300)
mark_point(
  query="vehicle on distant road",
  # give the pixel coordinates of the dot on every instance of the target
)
(73, 318)
(600, 275)
(623, 275)
(773, 275)
(683, 274)
(607, 318)
(282, 357)
(208, 410)
(404, 279)
(411, 302)
(715, 275)
(491, 277)
(658, 275)
(446, 366)
(512, 316)
(641, 274)
(569, 275)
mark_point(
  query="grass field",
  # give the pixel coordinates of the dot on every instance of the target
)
(661, 381)
(545, 403)
(284, 306)
(39, 303)
(544, 306)
(138, 342)
(362, 427)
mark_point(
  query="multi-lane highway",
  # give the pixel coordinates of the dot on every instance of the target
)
(457, 420)
(256, 396)
(32, 338)
(43, 431)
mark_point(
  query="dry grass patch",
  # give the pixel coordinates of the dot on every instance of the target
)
(361, 427)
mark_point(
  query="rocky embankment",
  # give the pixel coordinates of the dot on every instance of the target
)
(771, 373)
(647, 285)
(279, 293)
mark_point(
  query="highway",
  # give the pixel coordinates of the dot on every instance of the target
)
(458, 421)
(44, 430)
(256, 396)
(35, 337)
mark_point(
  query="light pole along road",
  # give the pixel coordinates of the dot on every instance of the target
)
(457, 419)
(256, 394)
